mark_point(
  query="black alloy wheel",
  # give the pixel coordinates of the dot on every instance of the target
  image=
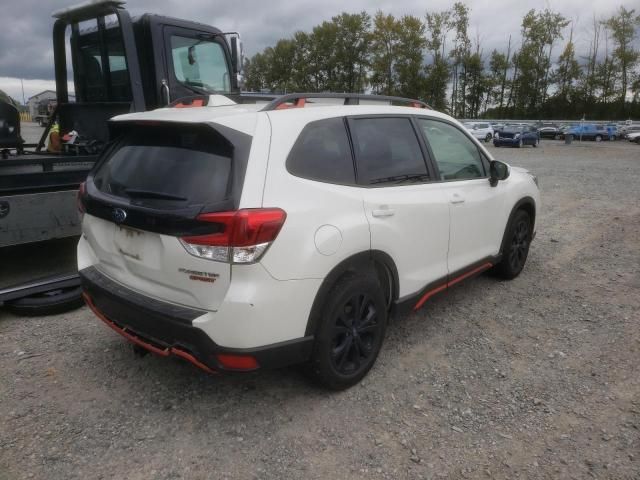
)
(515, 248)
(354, 334)
(519, 245)
(350, 331)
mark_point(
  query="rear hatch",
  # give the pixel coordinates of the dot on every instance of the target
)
(146, 194)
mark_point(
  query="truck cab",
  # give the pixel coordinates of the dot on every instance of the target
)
(122, 64)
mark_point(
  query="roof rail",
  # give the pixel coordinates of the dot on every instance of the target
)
(298, 100)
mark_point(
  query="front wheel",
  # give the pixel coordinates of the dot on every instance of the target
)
(520, 143)
(516, 246)
(598, 138)
(488, 138)
(350, 333)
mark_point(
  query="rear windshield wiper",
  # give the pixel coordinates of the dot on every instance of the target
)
(134, 193)
(401, 178)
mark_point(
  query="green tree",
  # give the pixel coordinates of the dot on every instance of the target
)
(437, 72)
(461, 50)
(351, 49)
(623, 31)
(410, 57)
(384, 46)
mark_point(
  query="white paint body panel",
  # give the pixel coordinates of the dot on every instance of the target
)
(428, 235)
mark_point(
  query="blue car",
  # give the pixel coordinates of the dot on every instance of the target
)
(516, 136)
(590, 131)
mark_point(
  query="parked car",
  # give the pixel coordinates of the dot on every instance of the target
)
(550, 131)
(517, 136)
(634, 137)
(235, 237)
(625, 131)
(480, 130)
(589, 131)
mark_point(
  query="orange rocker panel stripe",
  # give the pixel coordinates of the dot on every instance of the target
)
(134, 339)
(450, 283)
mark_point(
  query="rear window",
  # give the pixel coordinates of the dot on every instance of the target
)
(167, 167)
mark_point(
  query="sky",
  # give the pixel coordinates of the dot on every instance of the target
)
(25, 25)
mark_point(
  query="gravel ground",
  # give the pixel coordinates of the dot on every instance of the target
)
(533, 378)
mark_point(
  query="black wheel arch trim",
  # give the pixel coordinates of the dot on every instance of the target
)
(355, 263)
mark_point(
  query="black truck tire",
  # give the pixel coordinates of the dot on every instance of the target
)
(47, 303)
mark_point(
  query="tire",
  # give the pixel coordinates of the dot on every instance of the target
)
(598, 138)
(536, 143)
(516, 246)
(556, 137)
(47, 303)
(347, 345)
(519, 143)
(612, 138)
(488, 138)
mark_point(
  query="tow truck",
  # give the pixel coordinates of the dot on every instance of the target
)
(120, 64)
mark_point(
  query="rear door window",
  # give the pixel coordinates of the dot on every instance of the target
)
(387, 151)
(322, 153)
(168, 167)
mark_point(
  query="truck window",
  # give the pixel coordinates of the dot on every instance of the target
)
(100, 82)
(200, 63)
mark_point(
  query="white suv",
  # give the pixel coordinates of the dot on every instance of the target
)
(480, 130)
(242, 236)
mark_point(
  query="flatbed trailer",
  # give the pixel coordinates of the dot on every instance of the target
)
(119, 65)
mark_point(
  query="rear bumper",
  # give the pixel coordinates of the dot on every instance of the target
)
(166, 329)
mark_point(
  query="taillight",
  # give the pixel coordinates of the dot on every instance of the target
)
(244, 237)
(82, 190)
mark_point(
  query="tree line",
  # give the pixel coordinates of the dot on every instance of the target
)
(434, 59)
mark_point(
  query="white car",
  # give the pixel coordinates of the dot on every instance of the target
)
(633, 137)
(480, 130)
(242, 236)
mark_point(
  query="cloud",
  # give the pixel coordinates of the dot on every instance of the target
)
(26, 25)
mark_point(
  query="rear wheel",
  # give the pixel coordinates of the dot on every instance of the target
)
(520, 143)
(351, 331)
(488, 138)
(598, 138)
(516, 246)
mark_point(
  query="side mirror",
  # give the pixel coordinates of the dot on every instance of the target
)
(498, 171)
(236, 54)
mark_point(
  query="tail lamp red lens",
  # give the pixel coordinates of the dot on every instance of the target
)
(243, 237)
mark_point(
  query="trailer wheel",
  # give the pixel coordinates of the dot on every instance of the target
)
(47, 303)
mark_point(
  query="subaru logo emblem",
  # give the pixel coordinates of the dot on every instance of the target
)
(119, 215)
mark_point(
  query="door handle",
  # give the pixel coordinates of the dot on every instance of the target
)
(383, 212)
(456, 198)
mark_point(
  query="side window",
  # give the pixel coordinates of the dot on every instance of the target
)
(457, 157)
(322, 153)
(386, 149)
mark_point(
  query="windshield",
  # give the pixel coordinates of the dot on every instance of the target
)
(200, 63)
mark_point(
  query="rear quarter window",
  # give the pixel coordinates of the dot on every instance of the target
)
(322, 153)
(167, 166)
